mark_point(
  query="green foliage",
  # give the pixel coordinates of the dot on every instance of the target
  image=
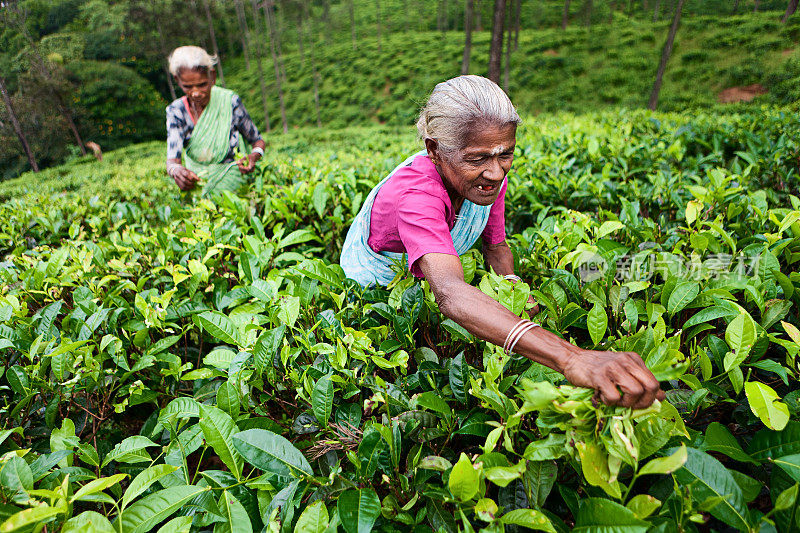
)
(114, 105)
(177, 363)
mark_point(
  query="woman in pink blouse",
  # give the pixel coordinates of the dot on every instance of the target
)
(434, 207)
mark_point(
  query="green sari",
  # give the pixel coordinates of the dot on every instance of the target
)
(210, 144)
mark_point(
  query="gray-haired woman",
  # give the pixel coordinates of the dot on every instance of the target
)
(435, 206)
(205, 124)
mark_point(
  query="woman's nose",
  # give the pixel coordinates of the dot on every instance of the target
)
(495, 170)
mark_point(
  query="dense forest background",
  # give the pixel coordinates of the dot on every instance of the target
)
(80, 71)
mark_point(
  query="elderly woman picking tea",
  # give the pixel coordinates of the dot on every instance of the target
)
(205, 126)
(435, 206)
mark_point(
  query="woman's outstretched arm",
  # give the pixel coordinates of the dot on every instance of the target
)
(621, 378)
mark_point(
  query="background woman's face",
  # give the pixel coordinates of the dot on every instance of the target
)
(197, 84)
(476, 172)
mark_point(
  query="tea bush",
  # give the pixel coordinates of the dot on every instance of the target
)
(177, 364)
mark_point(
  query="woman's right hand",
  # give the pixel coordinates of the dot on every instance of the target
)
(620, 378)
(185, 178)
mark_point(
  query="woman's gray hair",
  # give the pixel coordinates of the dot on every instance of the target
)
(191, 58)
(460, 105)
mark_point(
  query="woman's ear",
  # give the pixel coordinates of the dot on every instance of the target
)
(433, 150)
(213, 76)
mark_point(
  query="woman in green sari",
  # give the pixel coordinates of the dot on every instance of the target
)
(204, 125)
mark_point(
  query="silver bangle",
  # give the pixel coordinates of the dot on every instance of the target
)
(517, 327)
(172, 167)
(513, 278)
(529, 326)
(258, 150)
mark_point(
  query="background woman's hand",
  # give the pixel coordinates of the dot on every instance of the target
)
(621, 378)
(248, 163)
(185, 178)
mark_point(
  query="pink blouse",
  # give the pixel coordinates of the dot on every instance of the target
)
(412, 214)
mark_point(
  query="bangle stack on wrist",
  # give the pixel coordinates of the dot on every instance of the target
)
(171, 168)
(516, 333)
(258, 150)
(513, 278)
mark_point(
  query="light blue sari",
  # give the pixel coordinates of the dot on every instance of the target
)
(367, 267)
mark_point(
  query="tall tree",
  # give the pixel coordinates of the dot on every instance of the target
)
(662, 66)
(611, 9)
(755, 6)
(259, 55)
(588, 7)
(352, 22)
(17, 128)
(326, 18)
(478, 18)
(790, 9)
(655, 10)
(314, 72)
(244, 32)
(735, 6)
(517, 14)
(162, 45)
(509, 40)
(273, 48)
(378, 21)
(51, 78)
(299, 15)
(213, 35)
(496, 47)
(468, 5)
(565, 15)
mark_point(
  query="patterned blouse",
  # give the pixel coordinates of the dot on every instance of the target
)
(180, 126)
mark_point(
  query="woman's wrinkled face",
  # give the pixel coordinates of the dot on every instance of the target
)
(197, 84)
(476, 172)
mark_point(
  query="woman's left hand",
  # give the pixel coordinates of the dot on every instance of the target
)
(248, 163)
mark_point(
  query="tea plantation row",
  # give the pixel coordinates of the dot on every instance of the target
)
(173, 364)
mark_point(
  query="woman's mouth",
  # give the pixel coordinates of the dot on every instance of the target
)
(487, 188)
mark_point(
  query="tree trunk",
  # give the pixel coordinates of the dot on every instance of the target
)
(378, 20)
(496, 48)
(478, 19)
(510, 28)
(352, 22)
(164, 54)
(199, 19)
(242, 18)
(611, 11)
(67, 114)
(589, 7)
(735, 7)
(326, 18)
(276, 62)
(17, 128)
(213, 36)
(662, 66)
(468, 5)
(314, 72)
(755, 6)
(48, 76)
(655, 10)
(565, 15)
(301, 48)
(517, 14)
(259, 68)
(790, 9)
